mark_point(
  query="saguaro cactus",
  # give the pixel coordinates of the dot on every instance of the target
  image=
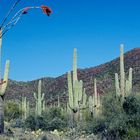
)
(25, 108)
(94, 101)
(39, 99)
(77, 95)
(44, 106)
(58, 101)
(3, 86)
(124, 87)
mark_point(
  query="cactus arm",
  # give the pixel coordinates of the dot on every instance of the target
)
(76, 92)
(35, 96)
(84, 98)
(127, 87)
(80, 90)
(99, 101)
(130, 79)
(117, 87)
(95, 93)
(58, 101)
(43, 106)
(70, 91)
(43, 95)
(5, 79)
(28, 109)
(25, 108)
(39, 87)
(90, 104)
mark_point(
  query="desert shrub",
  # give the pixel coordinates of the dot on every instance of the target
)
(34, 123)
(40, 122)
(131, 105)
(55, 118)
(133, 134)
(30, 123)
(56, 123)
(119, 120)
(53, 112)
(50, 120)
(12, 110)
(16, 123)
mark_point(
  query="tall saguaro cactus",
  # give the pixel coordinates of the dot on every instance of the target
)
(25, 108)
(94, 101)
(77, 95)
(3, 86)
(39, 97)
(124, 87)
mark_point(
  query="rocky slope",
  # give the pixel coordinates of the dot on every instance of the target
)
(58, 86)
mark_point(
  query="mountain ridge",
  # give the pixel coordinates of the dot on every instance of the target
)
(58, 86)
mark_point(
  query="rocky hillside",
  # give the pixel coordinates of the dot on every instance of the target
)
(58, 86)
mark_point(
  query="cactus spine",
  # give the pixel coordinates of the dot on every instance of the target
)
(3, 86)
(77, 95)
(39, 100)
(25, 108)
(124, 87)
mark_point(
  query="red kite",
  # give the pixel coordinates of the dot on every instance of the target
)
(46, 10)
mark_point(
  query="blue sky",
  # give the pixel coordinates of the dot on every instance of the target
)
(40, 46)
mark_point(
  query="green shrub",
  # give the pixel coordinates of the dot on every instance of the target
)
(131, 105)
(132, 134)
(55, 118)
(12, 110)
(119, 118)
(54, 112)
(50, 120)
(16, 123)
(56, 123)
(30, 123)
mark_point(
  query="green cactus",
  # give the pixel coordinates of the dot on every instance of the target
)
(58, 101)
(25, 108)
(77, 95)
(124, 87)
(3, 86)
(94, 101)
(39, 100)
(5, 79)
(43, 105)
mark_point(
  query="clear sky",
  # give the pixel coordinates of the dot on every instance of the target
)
(40, 46)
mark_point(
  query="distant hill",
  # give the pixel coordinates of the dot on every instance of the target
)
(58, 86)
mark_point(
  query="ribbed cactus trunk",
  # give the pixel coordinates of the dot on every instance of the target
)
(77, 95)
(3, 86)
(1, 115)
(95, 102)
(95, 98)
(75, 79)
(25, 108)
(122, 73)
(58, 101)
(124, 87)
(39, 100)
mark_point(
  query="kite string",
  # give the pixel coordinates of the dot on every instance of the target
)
(9, 12)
